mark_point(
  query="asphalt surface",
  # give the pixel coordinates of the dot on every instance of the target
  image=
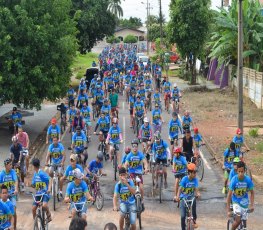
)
(211, 208)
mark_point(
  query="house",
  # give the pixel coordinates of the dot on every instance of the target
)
(121, 33)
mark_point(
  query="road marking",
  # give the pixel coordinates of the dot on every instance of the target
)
(63, 135)
(200, 151)
(124, 132)
(123, 105)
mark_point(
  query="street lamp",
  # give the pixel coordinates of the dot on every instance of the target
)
(240, 65)
(147, 25)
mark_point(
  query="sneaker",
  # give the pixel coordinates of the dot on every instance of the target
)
(224, 190)
(195, 225)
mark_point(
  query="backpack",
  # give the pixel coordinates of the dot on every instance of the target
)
(228, 151)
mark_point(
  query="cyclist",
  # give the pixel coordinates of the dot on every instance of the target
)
(56, 157)
(161, 153)
(141, 93)
(104, 124)
(7, 210)
(134, 162)
(82, 85)
(139, 109)
(72, 112)
(239, 188)
(8, 178)
(114, 137)
(99, 96)
(229, 155)
(188, 188)
(127, 150)
(116, 78)
(238, 139)
(53, 131)
(106, 108)
(82, 98)
(114, 101)
(70, 95)
(125, 190)
(176, 94)
(198, 139)
(132, 100)
(174, 127)
(42, 183)
(16, 118)
(167, 94)
(188, 146)
(157, 119)
(79, 144)
(77, 191)
(179, 168)
(145, 135)
(86, 114)
(187, 121)
(233, 171)
(133, 83)
(157, 98)
(78, 121)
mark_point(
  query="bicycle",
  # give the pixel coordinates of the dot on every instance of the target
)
(242, 225)
(102, 145)
(40, 221)
(79, 206)
(175, 105)
(198, 161)
(96, 193)
(148, 101)
(152, 170)
(160, 173)
(116, 148)
(63, 123)
(189, 216)
(138, 123)
(55, 185)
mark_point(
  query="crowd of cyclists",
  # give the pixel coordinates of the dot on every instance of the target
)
(93, 109)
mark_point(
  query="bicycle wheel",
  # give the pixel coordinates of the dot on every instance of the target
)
(190, 224)
(200, 168)
(160, 187)
(38, 223)
(99, 200)
(229, 224)
(115, 167)
(45, 220)
(58, 194)
(127, 222)
(54, 194)
(137, 128)
(139, 209)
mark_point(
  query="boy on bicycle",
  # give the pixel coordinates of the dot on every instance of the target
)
(125, 190)
(239, 188)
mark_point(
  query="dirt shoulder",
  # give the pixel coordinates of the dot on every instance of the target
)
(215, 114)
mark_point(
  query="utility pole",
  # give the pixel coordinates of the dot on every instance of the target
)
(161, 23)
(240, 65)
(148, 9)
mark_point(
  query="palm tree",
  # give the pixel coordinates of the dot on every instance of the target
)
(115, 8)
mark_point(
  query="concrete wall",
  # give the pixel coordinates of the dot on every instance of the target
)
(125, 32)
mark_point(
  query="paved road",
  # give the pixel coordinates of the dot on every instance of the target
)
(210, 208)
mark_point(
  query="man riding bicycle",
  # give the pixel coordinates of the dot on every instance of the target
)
(134, 162)
(176, 94)
(175, 128)
(86, 114)
(55, 159)
(106, 108)
(157, 119)
(238, 139)
(145, 135)
(187, 121)
(161, 153)
(188, 146)
(139, 109)
(78, 121)
(53, 131)
(132, 100)
(82, 98)
(125, 190)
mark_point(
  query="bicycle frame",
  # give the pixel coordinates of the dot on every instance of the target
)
(79, 210)
(189, 204)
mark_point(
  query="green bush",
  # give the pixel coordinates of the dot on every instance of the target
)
(259, 147)
(130, 39)
(112, 40)
(253, 132)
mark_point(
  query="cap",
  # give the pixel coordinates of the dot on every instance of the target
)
(14, 108)
(238, 131)
(77, 173)
(175, 85)
(195, 130)
(146, 119)
(14, 139)
(53, 120)
(191, 167)
(73, 157)
(7, 161)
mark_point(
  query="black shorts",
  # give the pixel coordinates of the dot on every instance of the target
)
(172, 140)
(180, 176)
(145, 139)
(131, 111)
(158, 161)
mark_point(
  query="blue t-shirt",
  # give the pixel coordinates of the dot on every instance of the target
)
(9, 180)
(124, 157)
(71, 94)
(77, 193)
(40, 181)
(186, 121)
(53, 131)
(71, 114)
(82, 86)
(141, 93)
(174, 127)
(4, 216)
(16, 118)
(232, 174)
(135, 162)
(146, 131)
(197, 139)
(148, 84)
(188, 187)
(99, 94)
(124, 193)
(106, 109)
(159, 150)
(115, 134)
(157, 97)
(167, 87)
(79, 140)
(175, 93)
(104, 124)
(95, 166)
(127, 79)
(56, 153)
(69, 171)
(180, 165)
(82, 98)
(240, 190)
(229, 157)
(10, 206)
(156, 115)
(86, 112)
(239, 141)
(139, 108)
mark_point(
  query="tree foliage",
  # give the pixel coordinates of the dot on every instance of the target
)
(132, 22)
(37, 46)
(224, 37)
(112, 40)
(188, 28)
(94, 22)
(114, 7)
(130, 39)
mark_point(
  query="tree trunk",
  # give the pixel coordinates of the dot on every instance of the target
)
(193, 71)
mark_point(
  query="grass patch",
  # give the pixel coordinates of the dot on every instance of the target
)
(259, 147)
(253, 132)
(82, 62)
(258, 160)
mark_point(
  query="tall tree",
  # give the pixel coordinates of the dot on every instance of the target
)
(115, 8)
(188, 28)
(132, 22)
(94, 22)
(37, 47)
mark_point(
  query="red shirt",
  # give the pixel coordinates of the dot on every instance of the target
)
(22, 138)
